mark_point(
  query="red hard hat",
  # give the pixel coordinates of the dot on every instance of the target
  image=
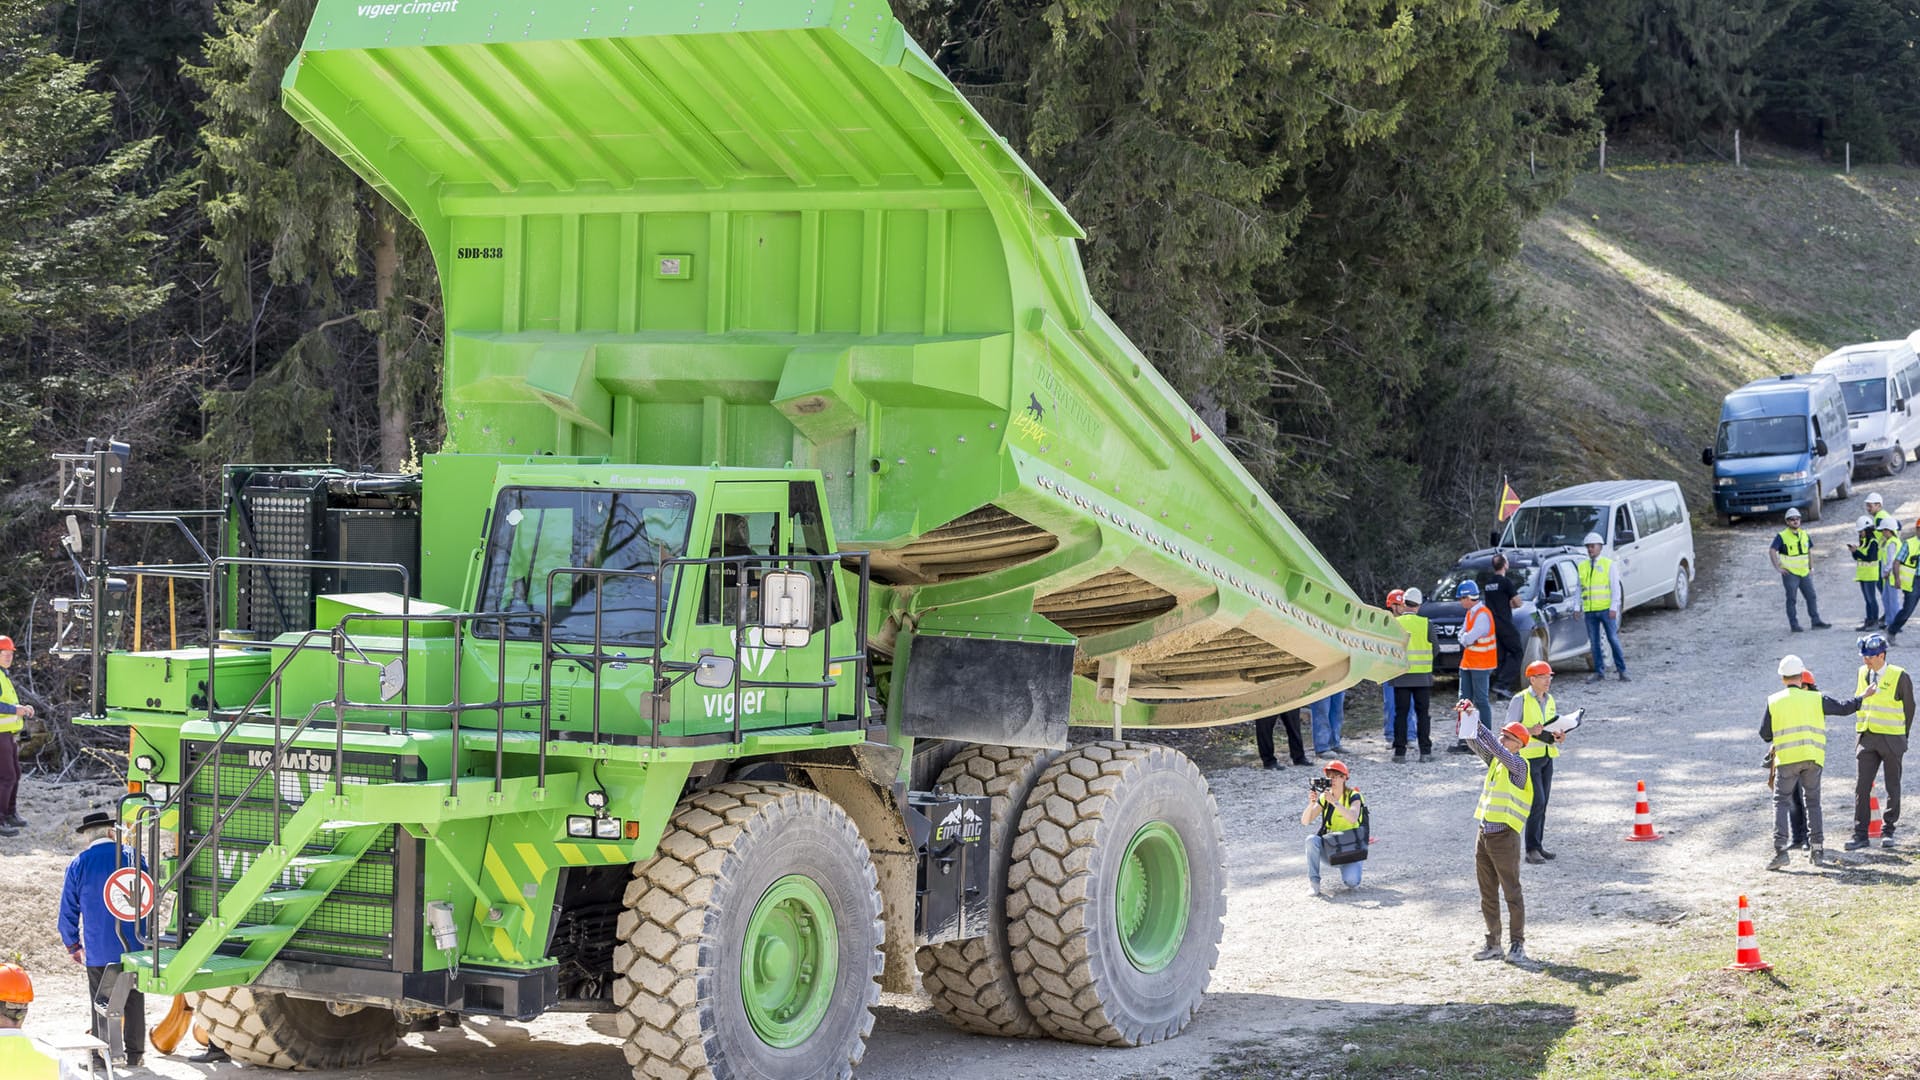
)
(1397, 596)
(15, 987)
(1519, 731)
(1336, 766)
(6, 643)
(1539, 667)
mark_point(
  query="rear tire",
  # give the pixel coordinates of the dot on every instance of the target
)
(1682, 589)
(1899, 461)
(1116, 894)
(750, 943)
(972, 982)
(1817, 505)
(262, 1027)
(1846, 486)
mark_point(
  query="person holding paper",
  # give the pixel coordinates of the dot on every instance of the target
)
(1533, 709)
(1505, 794)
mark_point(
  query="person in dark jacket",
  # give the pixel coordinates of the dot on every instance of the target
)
(1500, 591)
(96, 939)
(1795, 722)
(1263, 737)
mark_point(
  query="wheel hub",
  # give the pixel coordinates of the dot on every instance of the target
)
(789, 961)
(1152, 901)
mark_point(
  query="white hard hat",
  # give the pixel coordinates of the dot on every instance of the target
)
(1874, 497)
(1414, 597)
(1793, 513)
(1593, 538)
(1864, 523)
(1791, 665)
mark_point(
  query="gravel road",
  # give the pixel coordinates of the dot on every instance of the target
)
(1291, 963)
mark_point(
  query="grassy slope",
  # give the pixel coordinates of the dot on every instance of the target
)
(1649, 292)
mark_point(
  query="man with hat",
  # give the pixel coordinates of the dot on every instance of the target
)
(1337, 808)
(1506, 794)
(1792, 555)
(1909, 570)
(12, 717)
(1412, 690)
(1600, 600)
(1876, 509)
(1533, 709)
(96, 938)
(1795, 722)
(1479, 656)
(20, 1059)
(1892, 592)
(1882, 725)
(1866, 570)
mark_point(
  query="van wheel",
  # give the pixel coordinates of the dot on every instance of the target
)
(1846, 488)
(1725, 521)
(1536, 650)
(1899, 461)
(1817, 504)
(1677, 599)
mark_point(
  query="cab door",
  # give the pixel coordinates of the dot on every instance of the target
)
(748, 527)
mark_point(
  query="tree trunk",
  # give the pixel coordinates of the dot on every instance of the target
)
(392, 395)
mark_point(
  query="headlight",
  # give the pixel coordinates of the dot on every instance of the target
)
(1878, 444)
(1725, 481)
(1786, 477)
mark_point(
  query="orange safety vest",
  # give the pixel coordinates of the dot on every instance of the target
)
(1482, 655)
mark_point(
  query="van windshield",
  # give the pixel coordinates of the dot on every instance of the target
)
(1865, 396)
(1762, 436)
(1553, 526)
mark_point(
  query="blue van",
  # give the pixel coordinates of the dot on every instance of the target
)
(1783, 442)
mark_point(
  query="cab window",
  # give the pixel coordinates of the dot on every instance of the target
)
(735, 535)
(1622, 526)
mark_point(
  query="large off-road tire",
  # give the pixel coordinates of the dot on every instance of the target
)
(750, 943)
(1116, 894)
(262, 1027)
(972, 982)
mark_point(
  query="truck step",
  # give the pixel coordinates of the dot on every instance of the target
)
(315, 862)
(142, 960)
(291, 896)
(259, 931)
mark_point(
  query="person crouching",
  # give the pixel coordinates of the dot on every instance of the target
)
(1338, 809)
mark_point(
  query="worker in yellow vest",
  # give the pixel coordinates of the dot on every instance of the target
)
(1792, 555)
(1533, 709)
(1882, 725)
(1892, 593)
(1909, 570)
(1506, 794)
(1795, 722)
(1413, 689)
(1600, 598)
(1865, 550)
(12, 715)
(20, 1057)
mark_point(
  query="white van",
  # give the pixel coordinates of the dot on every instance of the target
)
(1879, 379)
(1648, 533)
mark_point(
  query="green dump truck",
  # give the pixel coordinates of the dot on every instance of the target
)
(796, 499)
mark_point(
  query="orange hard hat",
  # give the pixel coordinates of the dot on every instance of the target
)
(6, 643)
(1336, 766)
(1519, 731)
(15, 987)
(1397, 596)
(1539, 667)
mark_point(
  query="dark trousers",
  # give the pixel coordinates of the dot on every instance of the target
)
(1263, 737)
(1506, 672)
(1870, 592)
(1795, 586)
(1804, 777)
(100, 983)
(1415, 698)
(1542, 770)
(1894, 625)
(1877, 753)
(1797, 819)
(9, 775)
(1496, 862)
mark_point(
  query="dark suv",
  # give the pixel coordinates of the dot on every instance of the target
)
(1549, 615)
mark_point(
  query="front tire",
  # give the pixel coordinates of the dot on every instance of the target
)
(750, 943)
(262, 1027)
(1116, 894)
(1817, 505)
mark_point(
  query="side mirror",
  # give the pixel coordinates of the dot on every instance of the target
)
(786, 609)
(1820, 447)
(1706, 456)
(713, 672)
(1554, 596)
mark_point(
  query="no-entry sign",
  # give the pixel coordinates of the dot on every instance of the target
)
(128, 894)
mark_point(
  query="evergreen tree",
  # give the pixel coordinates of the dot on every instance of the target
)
(1845, 72)
(352, 278)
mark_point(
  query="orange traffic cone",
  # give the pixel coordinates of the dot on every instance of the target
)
(1874, 824)
(1642, 815)
(1746, 951)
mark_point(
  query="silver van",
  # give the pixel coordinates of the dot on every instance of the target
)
(1644, 523)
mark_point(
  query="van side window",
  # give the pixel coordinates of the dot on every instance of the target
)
(1648, 515)
(1622, 526)
(1672, 511)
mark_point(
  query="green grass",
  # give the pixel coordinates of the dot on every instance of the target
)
(1840, 1002)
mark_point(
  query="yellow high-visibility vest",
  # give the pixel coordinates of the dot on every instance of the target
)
(20, 1059)
(10, 722)
(1501, 800)
(1533, 713)
(1881, 713)
(1338, 821)
(1419, 643)
(1909, 562)
(1798, 558)
(1596, 584)
(1799, 727)
(1868, 569)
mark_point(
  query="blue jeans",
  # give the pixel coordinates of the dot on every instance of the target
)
(1796, 585)
(1603, 622)
(1350, 873)
(1474, 686)
(1386, 690)
(1870, 592)
(1891, 601)
(1329, 715)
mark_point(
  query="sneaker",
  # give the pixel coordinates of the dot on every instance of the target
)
(1424, 758)
(1794, 629)
(1338, 749)
(1819, 858)
(1269, 764)
(1536, 858)
(1864, 626)
(1857, 843)
(16, 821)
(1598, 676)
(1548, 855)
(1491, 952)
(1779, 860)
(8, 830)
(1823, 626)
(1313, 889)
(210, 1055)
(133, 1061)
(1460, 748)
(1518, 955)
(1399, 757)
(1624, 677)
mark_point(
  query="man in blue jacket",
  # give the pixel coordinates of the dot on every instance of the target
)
(95, 938)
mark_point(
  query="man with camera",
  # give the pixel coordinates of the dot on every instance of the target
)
(1342, 836)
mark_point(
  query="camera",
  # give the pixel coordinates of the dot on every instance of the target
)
(1321, 783)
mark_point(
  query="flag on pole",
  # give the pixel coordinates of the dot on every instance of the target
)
(1509, 502)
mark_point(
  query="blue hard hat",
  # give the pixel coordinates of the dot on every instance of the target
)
(1873, 645)
(1467, 591)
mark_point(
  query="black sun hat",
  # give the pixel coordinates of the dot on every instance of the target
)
(97, 819)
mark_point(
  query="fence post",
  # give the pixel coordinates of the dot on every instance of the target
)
(1736, 150)
(1849, 158)
(1532, 170)
(1603, 149)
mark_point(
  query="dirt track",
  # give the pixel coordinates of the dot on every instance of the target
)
(1289, 963)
